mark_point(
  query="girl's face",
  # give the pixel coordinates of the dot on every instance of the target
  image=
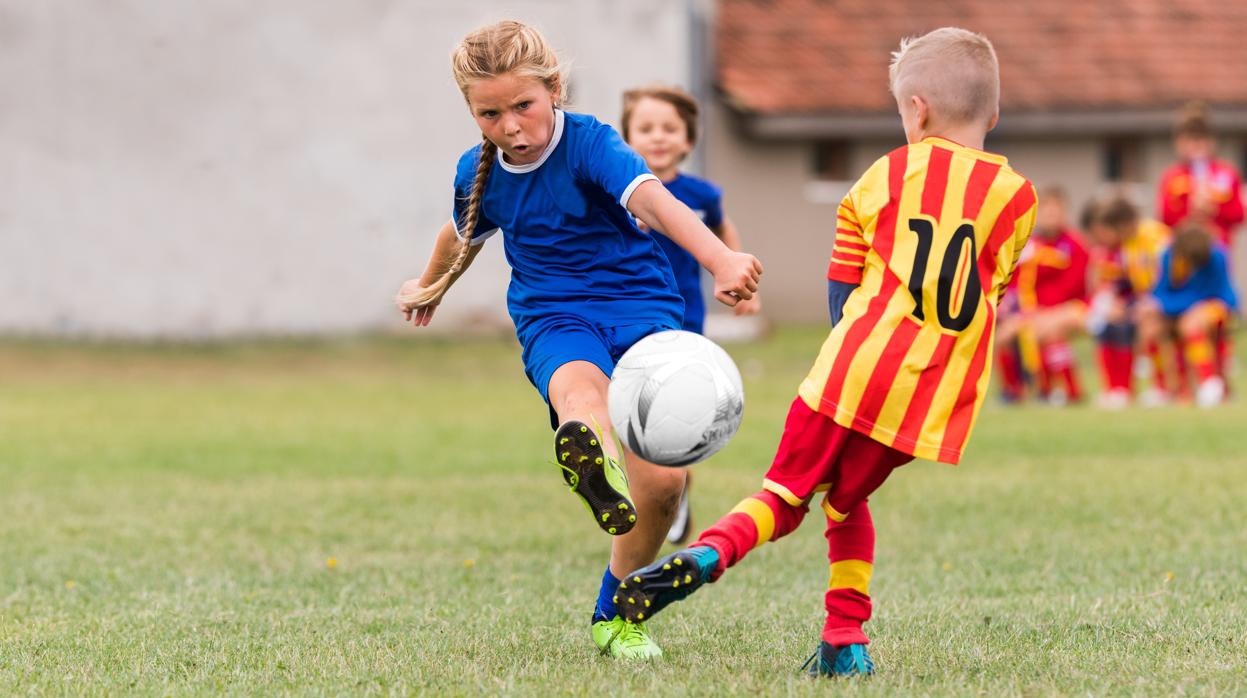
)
(658, 133)
(516, 113)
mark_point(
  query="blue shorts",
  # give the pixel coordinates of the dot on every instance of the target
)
(559, 339)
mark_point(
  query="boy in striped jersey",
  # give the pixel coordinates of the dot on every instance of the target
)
(926, 242)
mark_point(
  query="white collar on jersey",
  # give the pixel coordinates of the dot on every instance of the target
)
(554, 141)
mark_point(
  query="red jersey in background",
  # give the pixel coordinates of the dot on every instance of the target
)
(1224, 186)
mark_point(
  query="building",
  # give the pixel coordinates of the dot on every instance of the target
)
(190, 169)
(1088, 95)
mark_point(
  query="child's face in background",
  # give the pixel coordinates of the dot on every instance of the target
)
(1050, 219)
(516, 113)
(657, 132)
(1192, 148)
(1108, 236)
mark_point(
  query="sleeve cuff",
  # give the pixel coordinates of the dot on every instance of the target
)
(627, 194)
(844, 273)
(478, 239)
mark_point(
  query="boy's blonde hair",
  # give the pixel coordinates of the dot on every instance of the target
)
(497, 49)
(953, 69)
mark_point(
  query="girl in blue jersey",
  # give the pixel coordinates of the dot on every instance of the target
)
(660, 122)
(586, 283)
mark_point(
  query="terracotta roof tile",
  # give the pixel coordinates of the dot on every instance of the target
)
(785, 56)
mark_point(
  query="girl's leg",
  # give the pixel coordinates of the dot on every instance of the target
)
(577, 392)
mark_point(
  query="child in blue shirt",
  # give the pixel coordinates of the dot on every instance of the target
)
(660, 122)
(585, 283)
(1192, 302)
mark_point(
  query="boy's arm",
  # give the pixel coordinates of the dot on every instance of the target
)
(735, 273)
(445, 250)
(1021, 234)
(848, 258)
(1171, 208)
(1230, 213)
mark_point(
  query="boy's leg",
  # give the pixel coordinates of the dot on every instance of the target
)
(864, 465)
(807, 450)
(851, 552)
(1196, 328)
(1012, 387)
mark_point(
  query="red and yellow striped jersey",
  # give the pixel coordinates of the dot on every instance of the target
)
(931, 234)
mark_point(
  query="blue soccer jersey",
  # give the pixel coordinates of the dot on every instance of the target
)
(1209, 282)
(706, 200)
(571, 243)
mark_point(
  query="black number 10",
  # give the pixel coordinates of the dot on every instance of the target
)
(948, 275)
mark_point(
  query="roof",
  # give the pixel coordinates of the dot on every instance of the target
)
(805, 58)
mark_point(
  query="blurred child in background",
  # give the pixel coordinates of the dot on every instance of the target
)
(1203, 189)
(660, 123)
(1125, 262)
(1200, 186)
(1192, 300)
(1047, 306)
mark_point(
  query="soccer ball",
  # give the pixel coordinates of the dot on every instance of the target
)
(675, 398)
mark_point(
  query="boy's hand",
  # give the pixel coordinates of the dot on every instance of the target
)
(735, 276)
(418, 315)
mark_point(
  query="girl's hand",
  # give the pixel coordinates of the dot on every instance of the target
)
(750, 307)
(735, 276)
(417, 314)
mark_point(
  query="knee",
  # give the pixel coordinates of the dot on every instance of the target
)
(663, 486)
(580, 398)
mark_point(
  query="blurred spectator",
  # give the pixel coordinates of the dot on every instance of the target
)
(1045, 307)
(1199, 186)
(1191, 304)
(1125, 262)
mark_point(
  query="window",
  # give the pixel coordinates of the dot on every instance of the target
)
(1123, 160)
(831, 161)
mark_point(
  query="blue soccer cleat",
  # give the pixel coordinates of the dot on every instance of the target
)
(829, 660)
(648, 590)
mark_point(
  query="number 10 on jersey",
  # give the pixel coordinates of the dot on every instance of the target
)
(959, 274)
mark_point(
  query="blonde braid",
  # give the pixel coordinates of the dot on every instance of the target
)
(432, 294)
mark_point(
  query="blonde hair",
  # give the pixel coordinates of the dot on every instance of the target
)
(497, 49)
(684, 103)
(953, 69)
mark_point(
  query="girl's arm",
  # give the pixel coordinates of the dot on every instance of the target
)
(445, 251)
(728, 234)
(735, 273)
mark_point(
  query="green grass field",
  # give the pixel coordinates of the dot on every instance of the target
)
(380, 517)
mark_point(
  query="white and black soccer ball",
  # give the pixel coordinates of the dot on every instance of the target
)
(676, 398)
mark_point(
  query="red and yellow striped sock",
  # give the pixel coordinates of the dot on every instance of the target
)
(1201, 355)
(757, 519)
(851, 552)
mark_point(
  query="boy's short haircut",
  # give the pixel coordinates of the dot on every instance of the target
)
(953, 69)
(1116, 211)
(685, 107)
(1193, 121)
(1053, 192)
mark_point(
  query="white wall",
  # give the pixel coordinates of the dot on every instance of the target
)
(186, 168)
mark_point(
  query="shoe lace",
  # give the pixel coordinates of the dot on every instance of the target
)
(633, 634)
(806, 667)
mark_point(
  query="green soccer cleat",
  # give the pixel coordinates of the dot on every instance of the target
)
(831, 661)
(594, 477)
(604, 633)
(623, 640)
(648, 590)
